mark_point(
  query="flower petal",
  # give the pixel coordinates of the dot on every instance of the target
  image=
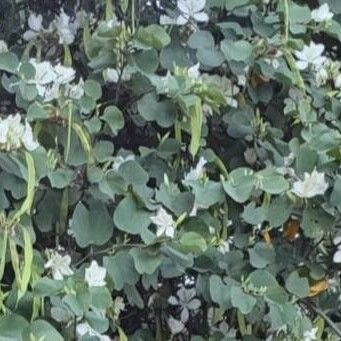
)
(201, 17)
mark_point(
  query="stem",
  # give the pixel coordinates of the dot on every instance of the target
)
(241, 323)
(221, 166)
(133, 17)
(109, 10)
(292, 65)
(177, 128)
(68, 144)
(286, 20)
(325, 317)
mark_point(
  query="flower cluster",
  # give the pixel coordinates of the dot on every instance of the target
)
(14, 134)
(63, 25)
(48, 79)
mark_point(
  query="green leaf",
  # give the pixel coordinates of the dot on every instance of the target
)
(100, 298)
(114, 117)
(316, 222)
(239, 184)
(239, 51)
(261, 255)
(201, 40)
(41, 330)
(128, 217)
(220, 292)
(193, 242)
(146, 262)
(297, 285)
(45, 286)
(112, 184)
(103, 150)
(36, 112)
(271, 182)
(163, 112)
(279, 211)
(153, 36)
(60, 178)
(11, 327)
(133, 173)
(9, 62)
(253, 215)
(28, 91)
(121, 268)
(244, 302)
(93, 89)
(91, 226)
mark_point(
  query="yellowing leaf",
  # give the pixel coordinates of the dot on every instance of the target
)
(267, 237)
(318, 287)
(291, 229)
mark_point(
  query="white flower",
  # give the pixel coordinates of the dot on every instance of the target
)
(118, 306)
(166, 20)
(64, 74)
(75, 91)
(111, 75)
(186, 300)
(322, 13)
(60, 266)
(45, 75)
(84, 329)
(310, 335)
(95, 275)
(311, 54)
(312, 185)
(321, 76)
(51, 92)
(114, 22)
(119, 160)
(193, 71)
(13, 134)
(27, 138)
(250, 156)
(11, 130)
(3, 46)
(337, 254)
(241, 80)
(66, 29)
(175, 326)
(224, 247)
(196, 173)
(190, 9)
(337, 81)
(35, 23)
(164, 223)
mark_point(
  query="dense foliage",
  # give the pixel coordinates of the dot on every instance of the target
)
(170, 170)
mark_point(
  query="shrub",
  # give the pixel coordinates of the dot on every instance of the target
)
(170, 170)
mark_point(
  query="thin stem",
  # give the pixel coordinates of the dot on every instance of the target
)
(241, 323)
(325, 317)
(286, 20)
(133, 17)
